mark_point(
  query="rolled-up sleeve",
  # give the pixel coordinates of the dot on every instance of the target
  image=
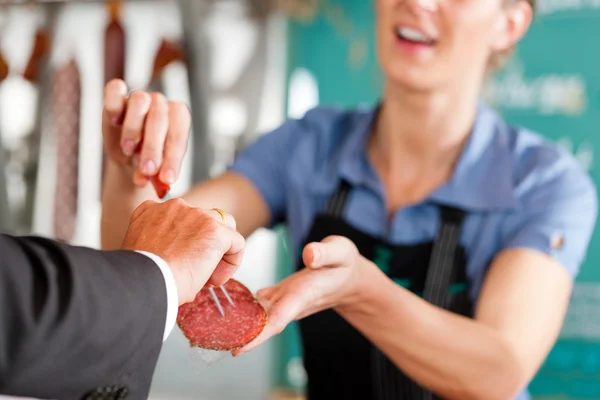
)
(265, 164)
(556, 215)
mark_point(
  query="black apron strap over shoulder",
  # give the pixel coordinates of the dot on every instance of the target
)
(437, 284)
(337, 202)
(441, 265)
(392, 383)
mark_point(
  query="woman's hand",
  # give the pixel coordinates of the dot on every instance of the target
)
(331, 279)
(165, 126)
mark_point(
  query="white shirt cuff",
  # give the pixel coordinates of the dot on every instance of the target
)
(172, 295)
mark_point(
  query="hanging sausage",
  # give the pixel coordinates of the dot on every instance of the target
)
(5, 219)
(3, 68)
(114, 43)
(66, 99)
(168, 52)
(114, 51)
(41, 49)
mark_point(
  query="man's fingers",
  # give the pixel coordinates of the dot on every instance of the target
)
(232, 256)
(333, 251)
(226, 219)
(237, 244)
(155, 132)
(232, 249)
(138, 106)
(225, 270)
(176, 141)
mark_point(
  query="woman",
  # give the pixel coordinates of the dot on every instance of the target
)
(441, 244)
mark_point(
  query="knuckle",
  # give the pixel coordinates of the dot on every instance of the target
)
(147, 203)
(179, 206)
(177, 202)
(180, 108)
(206, 218)
(212, 223)
(139, 98)
(142, 207)
(231, 220)
(151, 148)
(240, 238)
(130, 132)
(181, 113)
(158, 98)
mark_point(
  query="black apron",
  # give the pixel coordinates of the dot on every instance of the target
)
(340, 362)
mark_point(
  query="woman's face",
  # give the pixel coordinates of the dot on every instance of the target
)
(427, 44)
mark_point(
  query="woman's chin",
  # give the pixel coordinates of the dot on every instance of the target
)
(411, 81)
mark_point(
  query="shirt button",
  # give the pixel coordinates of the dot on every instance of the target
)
(121, 393)
(108, 393)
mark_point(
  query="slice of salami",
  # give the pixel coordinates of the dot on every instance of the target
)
(236, 286)
(205, 327)
(235, 289)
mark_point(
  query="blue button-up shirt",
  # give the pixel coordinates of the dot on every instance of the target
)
(518, 189)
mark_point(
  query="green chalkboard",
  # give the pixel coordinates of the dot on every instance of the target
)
(551, 85)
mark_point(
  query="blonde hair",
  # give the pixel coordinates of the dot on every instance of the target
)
(498, 60)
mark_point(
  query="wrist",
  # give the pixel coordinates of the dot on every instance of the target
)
(365, 281)
(122, 172)
(183, 287)
(119, 178)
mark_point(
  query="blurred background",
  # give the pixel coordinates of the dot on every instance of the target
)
(244, 66)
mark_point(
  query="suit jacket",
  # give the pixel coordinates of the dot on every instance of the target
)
(77, 323)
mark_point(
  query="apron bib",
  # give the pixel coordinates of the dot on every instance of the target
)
(340, 362)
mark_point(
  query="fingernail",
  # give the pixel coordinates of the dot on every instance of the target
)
(169, 176)
(129, 147)
(149, 168)
(316, 257)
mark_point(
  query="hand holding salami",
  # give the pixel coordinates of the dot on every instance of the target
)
(330, 280)
(194, 242)
(205, 327)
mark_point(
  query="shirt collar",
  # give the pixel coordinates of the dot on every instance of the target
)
(482, 179)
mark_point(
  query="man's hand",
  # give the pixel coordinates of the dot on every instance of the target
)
(164, 124)
(195, 243)
(332, 279)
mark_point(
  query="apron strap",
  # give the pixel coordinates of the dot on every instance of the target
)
(337, 203)
(393, 384)
(441, 265)
(439, 274)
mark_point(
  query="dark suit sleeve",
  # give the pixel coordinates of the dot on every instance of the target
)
(75, 319)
